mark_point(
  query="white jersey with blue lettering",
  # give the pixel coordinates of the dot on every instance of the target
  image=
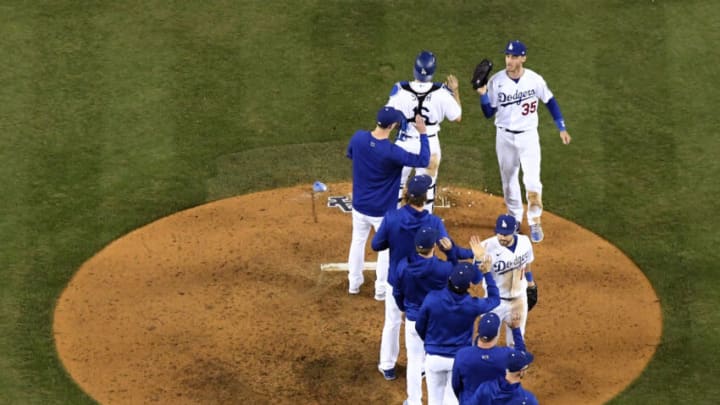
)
(508, 266)
(517, 101)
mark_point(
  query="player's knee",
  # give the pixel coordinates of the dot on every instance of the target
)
(534, 198)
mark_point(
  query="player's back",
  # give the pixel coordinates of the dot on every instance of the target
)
(433, 101)
(376, 175)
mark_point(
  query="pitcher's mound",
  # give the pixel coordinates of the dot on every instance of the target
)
(226, 303)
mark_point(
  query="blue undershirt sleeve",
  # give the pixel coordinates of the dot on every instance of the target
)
(487, 109)
(554, 108)
(518, 339)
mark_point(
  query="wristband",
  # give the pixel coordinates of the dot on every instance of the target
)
(560, 124)
(485, 99)
(528, 276)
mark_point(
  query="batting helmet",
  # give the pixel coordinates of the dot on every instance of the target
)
(424, 66)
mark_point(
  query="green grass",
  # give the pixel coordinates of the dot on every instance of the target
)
(115, 114)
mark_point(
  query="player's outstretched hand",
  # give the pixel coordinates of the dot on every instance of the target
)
(477, 247)
(514, 320)
(452, 83)
(565, 137)
(486, 264)
(445, 244)
(420, 124)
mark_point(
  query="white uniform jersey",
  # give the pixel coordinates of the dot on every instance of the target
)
(508, 267)
(517, 102)
(433, 101)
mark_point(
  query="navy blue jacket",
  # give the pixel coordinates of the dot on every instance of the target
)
(416, 277)
(474, 365)
(445, 321)
(377, 168)
(499, 392)
(397, 232)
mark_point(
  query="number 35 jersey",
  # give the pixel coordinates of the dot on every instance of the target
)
(517, 102)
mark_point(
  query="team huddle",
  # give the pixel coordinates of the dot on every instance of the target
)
(433, 294)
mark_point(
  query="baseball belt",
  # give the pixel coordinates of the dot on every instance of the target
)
(511, 131)
(415, 137)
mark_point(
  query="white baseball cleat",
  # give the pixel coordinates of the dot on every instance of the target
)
(536, 233)
(354, 291)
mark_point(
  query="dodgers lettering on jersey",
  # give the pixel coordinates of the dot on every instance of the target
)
(436, 105)
(517, 103)
(508, 267)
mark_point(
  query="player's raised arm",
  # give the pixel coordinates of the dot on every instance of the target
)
(415, 160)
(452, 84)
(487, 109)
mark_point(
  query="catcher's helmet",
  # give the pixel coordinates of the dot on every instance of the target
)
(424, 66)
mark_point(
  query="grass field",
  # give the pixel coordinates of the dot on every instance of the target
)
(118, 113)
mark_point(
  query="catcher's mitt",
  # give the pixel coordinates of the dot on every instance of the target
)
(532, 296)
(481, 74)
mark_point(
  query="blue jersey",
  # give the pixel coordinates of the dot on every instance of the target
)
(474, 365)
(397, 232)
(501, 392)
(445, 321)
(377, 167)
(416, 277)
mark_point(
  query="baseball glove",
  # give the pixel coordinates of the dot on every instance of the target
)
(532, 296)
(481, 74)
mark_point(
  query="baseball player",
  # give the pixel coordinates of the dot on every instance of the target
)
(512, 96)
(445, 324)
(397, 232)
(417, 275)
(511, 255)
(377, 164)
(508, 388)
(483, 361)
(434, 102)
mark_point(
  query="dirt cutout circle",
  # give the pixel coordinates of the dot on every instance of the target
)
(225, 303)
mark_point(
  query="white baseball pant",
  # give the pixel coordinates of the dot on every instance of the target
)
(361, 225)
(415, 363)
(390, 343)
(504, 312)
(516, 151)
(438, 374)
(412, 145)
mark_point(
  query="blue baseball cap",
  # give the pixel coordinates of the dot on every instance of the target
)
(419, 185)
(388, 116)
(462, 275)
(505, 224)
(518, 360)
(489, 326)
(426, 237)
(516, 48)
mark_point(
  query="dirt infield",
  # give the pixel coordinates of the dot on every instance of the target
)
(226, 303)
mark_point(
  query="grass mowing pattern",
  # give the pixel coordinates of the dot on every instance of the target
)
(117, 114)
